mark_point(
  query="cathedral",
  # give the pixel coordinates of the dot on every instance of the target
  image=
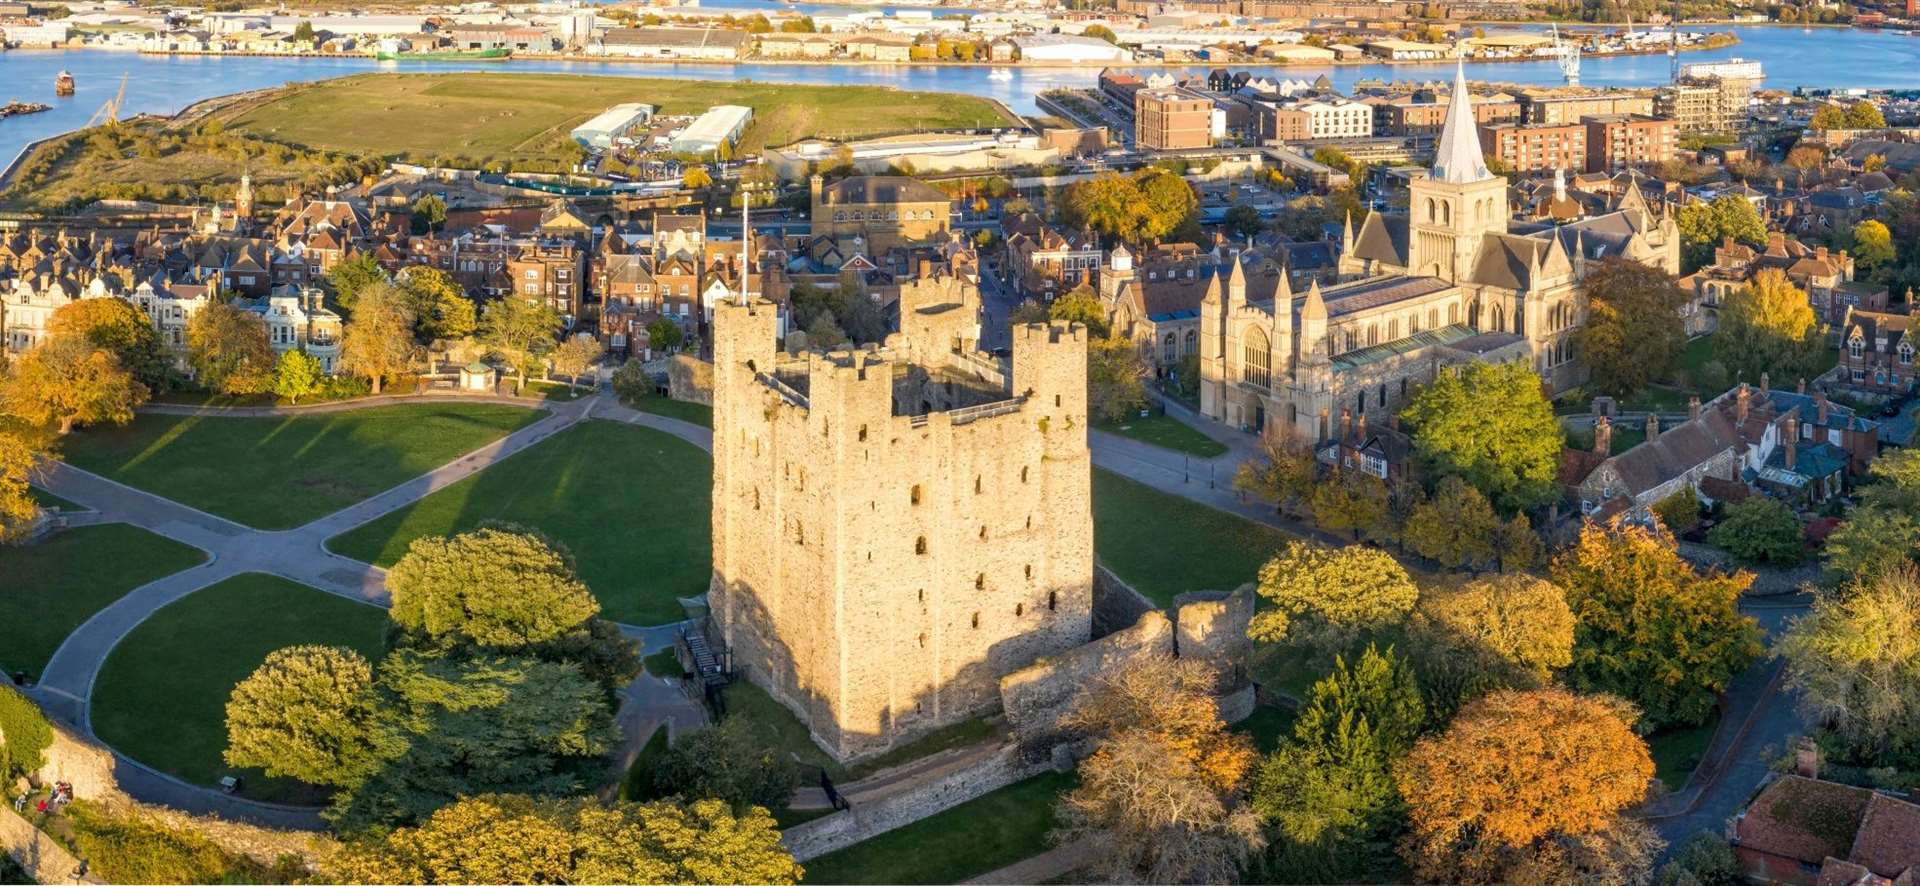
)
(1453, 278)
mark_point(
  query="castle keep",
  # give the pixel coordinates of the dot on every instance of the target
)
(895, 528)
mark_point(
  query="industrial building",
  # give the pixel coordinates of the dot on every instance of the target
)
(719, 125)
(612, 123)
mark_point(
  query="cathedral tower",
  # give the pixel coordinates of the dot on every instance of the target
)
(1461, 200)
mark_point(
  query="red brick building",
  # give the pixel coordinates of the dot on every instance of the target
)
(1542, 148)
(1623, 141)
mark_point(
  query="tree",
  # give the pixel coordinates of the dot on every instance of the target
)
(696, 178)
(575, 356)
(1116, 374)
(1517, 625)
(1029, 311)
(825, 334)
(1874, 163)
(1828, 116)
(1650, 628)
(1159, 796)
(1680, 511)
(664, 335)
(1704, 859)
(631, 384)
(19, 464)
(378, 341)
(303, 32)
(503, 589)
(439, 304)
(1145, 206)
(1455, 528)
(517, 839)
(1895, 482)
(1769, 326)
(1855, 661)
(68, 380)
(759, 24)
(1873, 542)
(351, 275)
(227, 348)
(1704, 226)
(1285, 476)
(429, 213)
(1490, 426)
(1525, 774)
(1864, 114)
(1100, 32)
(116, 325)
(1080, 307)
(1633, 332)
(310, 713)
(1520, 548)
(295, 375)
(521, 330)
(1807, 158)
(1329, 793)
(1243, 221)
(1760, 530)
(801, 25)
(724, 763)
(1328, 596)
(1872, 245)
(1353, 501)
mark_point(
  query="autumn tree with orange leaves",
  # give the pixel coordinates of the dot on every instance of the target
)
(1161, 796)
(1530, 786)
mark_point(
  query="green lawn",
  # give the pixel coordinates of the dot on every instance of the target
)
(161, 696)
(664, 664)
(971, 839)
(278, 473)
(1625, 437)
(50, 588)
(1165, 545)
(1166, 433)
(47, 499)
(776, 729)
(1677, 751)
(501, 116)
(632, 503)
(696, 413)
(637, 787)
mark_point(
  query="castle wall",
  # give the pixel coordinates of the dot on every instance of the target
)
(879, 573)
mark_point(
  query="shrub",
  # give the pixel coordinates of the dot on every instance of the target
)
(631, 383)
(129, 849)
(1761, 530)
(25, 735)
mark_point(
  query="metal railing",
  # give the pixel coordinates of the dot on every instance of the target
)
(985, 410)
(785, 390)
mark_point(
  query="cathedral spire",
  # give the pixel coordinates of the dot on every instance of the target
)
(1458, 160)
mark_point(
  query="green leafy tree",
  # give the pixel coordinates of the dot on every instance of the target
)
(1855, 662)
(310, 713)
(378, 342)
(1285, 476)
(1520, 548)
(1704, 859)
(1760, 530)
(429, 213)
(1492, 427)
(1872, 245)
(1455, 528)
(1100, 32)
(1703, 226)
(295, 375)
(517, 839)
(1680, 511)
(346, 278)
(1352, 501)
(1895, 482)
(801, 25)
(631, 384)
(1769, 326)
(227, 347)
(1518, 626)
(1146, 206)
(1030, 311)
(1828, 116)
(439, 304)
(68, 380)
(1326, 597)
(504, 590)
(575, 356)
(1243, 221)
(724, 763)
(664, 335)
(28, 735)
(119, 327)
(1116, 378)
(1329, 794)
(519, 330)
(1633, 331)
(1080, 307)
(303, 33)
(1864, 114)
(1873, 542)
(20, 454)
(1650, 628)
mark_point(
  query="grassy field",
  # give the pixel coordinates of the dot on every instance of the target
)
(50, 588)
(696, 413)
(1164, 545)
(970, 839)
(1166, 433)
(278, 473)
(1677, 751)
(505, 116)
(632, 503)
(161, 696)
(47, 499)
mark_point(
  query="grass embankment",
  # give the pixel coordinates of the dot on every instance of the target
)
(1166, 433)
(506, 117)
(775, 728)
(161, 696)
(695, 413)
(973, 838)
(49, 588)
(631, 503)
(281, 472)
(1164, 545)
(1677, 751)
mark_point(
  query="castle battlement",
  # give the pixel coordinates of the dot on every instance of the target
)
(896, 527)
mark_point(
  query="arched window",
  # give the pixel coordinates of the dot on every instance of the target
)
(1373, 334)
(1393, 329)
(913, 496)
(1446, 213)
(1193, 340)
(920, 545)
(1433, 213)
(1258, 368)
(1453, 313)
(1170, 349)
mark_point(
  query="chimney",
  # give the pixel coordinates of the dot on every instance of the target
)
(1693, 408)
(816, 184)
(1740, 404)
(1323, 425)
(1820, 253)
(1802, 387)
(1806, 758)
(1653, 426)
(1602, 436)
(1766, 382)
(1820, 404)
(1793, 440)
(1346, 424)
(1360, 430)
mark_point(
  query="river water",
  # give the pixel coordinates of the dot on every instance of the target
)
(1828, 57)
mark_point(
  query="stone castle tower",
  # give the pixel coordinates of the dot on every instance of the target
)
(895, 528)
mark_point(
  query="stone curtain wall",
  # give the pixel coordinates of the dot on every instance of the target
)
(1038, 696)
(690, 379)
(44, 859)
(1116, 605)
(869, 819)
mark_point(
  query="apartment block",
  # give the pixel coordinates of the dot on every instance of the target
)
(1621, 141)
(1564, 108)
(1169, 119)
(1542, 148)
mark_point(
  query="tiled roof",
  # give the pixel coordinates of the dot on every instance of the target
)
(1888, 842)
(1803, 819)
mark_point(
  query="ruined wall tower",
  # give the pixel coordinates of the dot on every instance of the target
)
(879, 564)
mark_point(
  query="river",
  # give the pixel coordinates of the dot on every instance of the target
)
(1829, 57)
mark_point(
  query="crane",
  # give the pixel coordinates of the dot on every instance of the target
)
(1568, 54)
(109, 113)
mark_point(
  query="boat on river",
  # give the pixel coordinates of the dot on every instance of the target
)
(63, 84)
(15, 109)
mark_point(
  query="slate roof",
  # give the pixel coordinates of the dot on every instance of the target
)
(1376, 291)
(867, 189)
(1503, 261)
(1675, 451)
(1382, 238)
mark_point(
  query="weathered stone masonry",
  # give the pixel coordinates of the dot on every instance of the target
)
(896, 528)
